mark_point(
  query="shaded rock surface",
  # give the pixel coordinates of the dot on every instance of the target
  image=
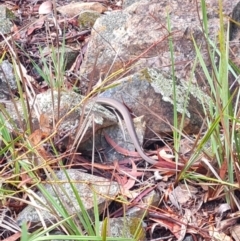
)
(7, 80)
(151, 199)
(86, 19)
(6, 17)
(125, 227)
(119, 134)
(234, 27)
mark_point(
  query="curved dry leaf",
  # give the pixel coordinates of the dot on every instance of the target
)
(218, 235)
(222, 208)
(172, 226)
(165, 156)
(130, 172)
(185, 220)
(120, 149)
(235, 232)
(45, 8)
(37, 25)
(127, 186)
(44, 124)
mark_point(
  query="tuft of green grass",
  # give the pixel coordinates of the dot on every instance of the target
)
(219, 139)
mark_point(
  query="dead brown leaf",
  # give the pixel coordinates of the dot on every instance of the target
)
(14, 237)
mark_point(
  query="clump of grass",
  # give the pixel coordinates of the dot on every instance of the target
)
(221, 117)
(26, 160)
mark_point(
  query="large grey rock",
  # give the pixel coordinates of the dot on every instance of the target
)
(139, 35)
(150, 93)
(67, 116)
(60, 189)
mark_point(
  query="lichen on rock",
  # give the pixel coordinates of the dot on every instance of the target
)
(163, 84)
